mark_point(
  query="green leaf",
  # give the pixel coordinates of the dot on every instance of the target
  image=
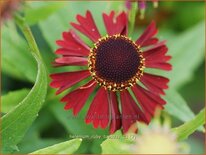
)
(16, 60)
(10, 100)
(177, 106)
(67, 147)
(191, 126)
(17, 121)
(188, 52)
(35, 14)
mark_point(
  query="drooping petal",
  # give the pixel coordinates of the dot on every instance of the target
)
(116, 26)
(72, 45)
(67, 79)
(77, 98)
(156, 45)
(115, 114)
(99, 110)
(156, 58)
(150, 31)
(87, 26)
(148, 102)
(155, 83)
(149, 42)
(163, 66)
(71, 61)
(155, 53)
(130, 111)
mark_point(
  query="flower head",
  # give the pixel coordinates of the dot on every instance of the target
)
(115, 67)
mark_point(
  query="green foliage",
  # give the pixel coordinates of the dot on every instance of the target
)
(17, 61)
(187, 53)
(191, 126)
(177, 107)
(36, 14)
(68, 147)
(10, 100)
(16, 122)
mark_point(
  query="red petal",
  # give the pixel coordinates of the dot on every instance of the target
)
(87, 26)
(148, 34)
(78, 97)
(155, 83)
(159, 44)
(67, 79)
(72, 45)
(115, 114)
(163, 66)
(70, 52)
(99, 110)
(71, 61)
(116, 26)
(130, 111)
(155, 52)
(158, 59)
(156, 55)
(146, 101)
(149, 42)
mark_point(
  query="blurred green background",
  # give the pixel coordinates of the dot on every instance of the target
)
(49, 19)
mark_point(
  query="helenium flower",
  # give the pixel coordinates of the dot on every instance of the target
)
(114, 68)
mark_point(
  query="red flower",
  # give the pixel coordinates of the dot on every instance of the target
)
(115, 68)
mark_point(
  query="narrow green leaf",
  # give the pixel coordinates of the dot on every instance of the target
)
(10, 100)
(35, 14)
(17, 62)
(177, 106)
(68, 147)
(17, 121)
(188, 54)
(191, 126)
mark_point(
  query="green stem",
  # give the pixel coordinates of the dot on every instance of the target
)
(132, 17)
(28, 35)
